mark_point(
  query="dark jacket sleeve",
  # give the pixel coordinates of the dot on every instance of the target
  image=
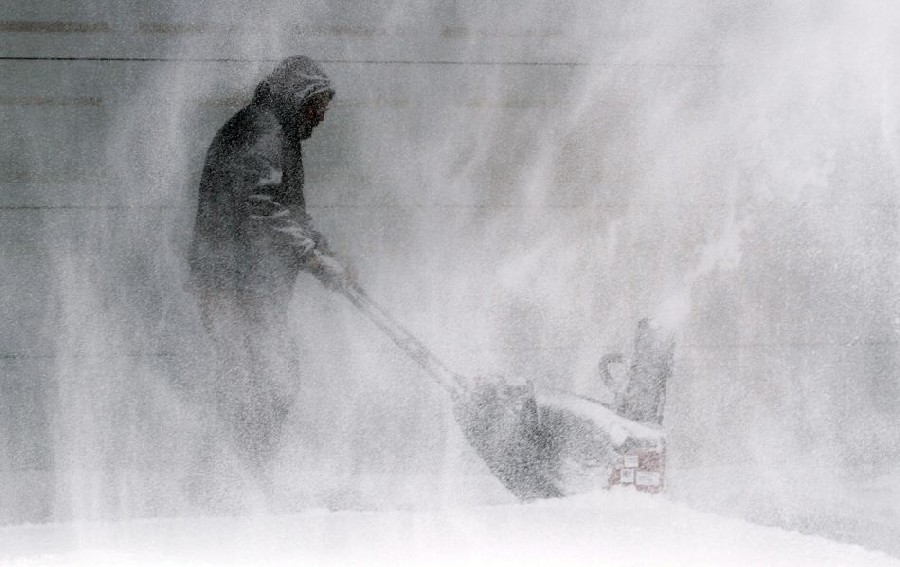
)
(250, 231)
(288, 225)
(274, 237)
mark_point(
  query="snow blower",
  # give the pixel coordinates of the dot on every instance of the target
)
(539, 442)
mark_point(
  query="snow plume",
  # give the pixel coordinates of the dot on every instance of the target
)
(723, 252)
(747, 200)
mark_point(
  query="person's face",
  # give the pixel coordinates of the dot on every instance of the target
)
(313, 113)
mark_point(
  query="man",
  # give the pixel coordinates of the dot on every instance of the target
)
(251, 240)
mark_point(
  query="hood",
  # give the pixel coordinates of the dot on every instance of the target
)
(289, 85)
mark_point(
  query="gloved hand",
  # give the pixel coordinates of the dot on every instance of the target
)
(304, 237)
(310, 246)
(333, 275)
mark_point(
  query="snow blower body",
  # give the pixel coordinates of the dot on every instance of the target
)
(539, 442)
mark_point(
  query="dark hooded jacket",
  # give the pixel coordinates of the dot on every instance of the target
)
(251, 203)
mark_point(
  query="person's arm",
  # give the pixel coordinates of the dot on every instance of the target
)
(296, 229)
(292, 226)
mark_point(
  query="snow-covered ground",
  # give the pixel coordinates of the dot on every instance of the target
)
(849, 506)
(620, 528)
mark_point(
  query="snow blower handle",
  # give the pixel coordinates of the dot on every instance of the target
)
(454, 383)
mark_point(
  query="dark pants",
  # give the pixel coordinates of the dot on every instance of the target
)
(255, 380)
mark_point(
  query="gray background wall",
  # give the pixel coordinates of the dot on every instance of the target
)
(519, 185)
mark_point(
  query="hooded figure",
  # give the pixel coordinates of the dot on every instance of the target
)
(251, 239)
(252, 230)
